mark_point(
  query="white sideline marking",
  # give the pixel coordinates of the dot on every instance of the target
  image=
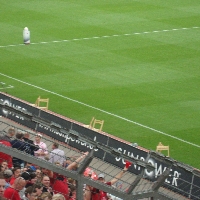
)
(105, 36)
(117, 116)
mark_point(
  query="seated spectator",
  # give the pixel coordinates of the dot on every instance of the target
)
(72, 194)
(45, 196)
(96, 194)
(2, 168)
(30, 193)
(9, 136)
(60, 185)
(7, 176)
(48, 173)
(6, 140)
(33, 147)
(2, 184)
(38, 187)
(57, 155)
(16, 173)
(46, 184)
(32, 181)
(4, 156)
(38, 173)
(19, 144)
(29, 167)
(58, 197)
(4, 164)
(26, 176)
(42, 152)
(12, 192)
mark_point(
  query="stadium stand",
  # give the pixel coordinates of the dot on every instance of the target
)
(133, 185)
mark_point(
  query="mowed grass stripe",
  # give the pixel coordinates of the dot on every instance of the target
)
(98, 37)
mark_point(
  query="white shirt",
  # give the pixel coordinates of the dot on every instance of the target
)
(42, 148)
(57, 155)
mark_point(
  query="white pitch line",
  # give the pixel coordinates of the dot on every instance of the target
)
(10, 86)
(114, 115)
(105, 36)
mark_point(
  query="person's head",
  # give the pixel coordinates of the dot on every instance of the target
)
(58, 163)
(101, 177)
(7, 174)
(31, 193)
(38, 188)
(19, 183)
(38, 138)
(26, 134)
(16, 172)
(33, 178)
(46, 171)
(2, 184)
(26, 176)
(58, 197)
(11, 132)
(2, 168)
(55, 145)
(45, 196)
(19, 135)
(38, 173)
(72, 190)
(4, 164)
(45, 181)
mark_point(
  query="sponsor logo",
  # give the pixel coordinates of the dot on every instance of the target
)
(159, 168)
(67, 138)
(7, 113)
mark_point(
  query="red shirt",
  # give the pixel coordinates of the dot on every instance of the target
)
(12, 179)
(6, 157)
(11, 194)
(60, 185)
(99, 194)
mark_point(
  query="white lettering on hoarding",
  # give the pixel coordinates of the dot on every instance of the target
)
(17, 107)
(67, 138)
(159, 168)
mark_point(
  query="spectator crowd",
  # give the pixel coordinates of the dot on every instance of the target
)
(20, 180)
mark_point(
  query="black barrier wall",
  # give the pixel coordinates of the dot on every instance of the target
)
(181, 180)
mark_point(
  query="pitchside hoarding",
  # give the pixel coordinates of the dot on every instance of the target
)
(179, 180)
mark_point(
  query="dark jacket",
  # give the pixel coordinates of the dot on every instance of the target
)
(32, 146)
(21, 146)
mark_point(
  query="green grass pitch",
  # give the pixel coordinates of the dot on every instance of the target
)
(133, 63)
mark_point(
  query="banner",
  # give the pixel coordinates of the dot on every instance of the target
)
(180, 179)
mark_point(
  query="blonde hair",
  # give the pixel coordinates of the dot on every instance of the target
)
(58, 196)
(44, 195)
